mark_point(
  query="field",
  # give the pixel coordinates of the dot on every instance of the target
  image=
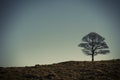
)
(70, 70)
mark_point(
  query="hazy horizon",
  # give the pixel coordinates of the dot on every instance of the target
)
(49, 31)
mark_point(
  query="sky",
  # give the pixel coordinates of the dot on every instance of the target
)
(49, 31)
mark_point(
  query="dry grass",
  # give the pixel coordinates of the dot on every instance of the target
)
(71, 70)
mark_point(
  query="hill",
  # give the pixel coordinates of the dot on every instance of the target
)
(71, 70)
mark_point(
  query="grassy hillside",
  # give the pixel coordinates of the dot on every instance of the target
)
(71, 70)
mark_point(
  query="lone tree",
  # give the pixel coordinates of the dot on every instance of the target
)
(94, 44)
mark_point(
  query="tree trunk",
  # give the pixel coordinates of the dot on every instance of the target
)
(92, 57)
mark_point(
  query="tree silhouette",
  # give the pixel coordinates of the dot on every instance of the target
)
(94, 44)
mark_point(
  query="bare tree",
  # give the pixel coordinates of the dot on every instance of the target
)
(94, 44)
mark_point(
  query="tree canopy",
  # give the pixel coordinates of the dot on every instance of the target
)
(94, 44)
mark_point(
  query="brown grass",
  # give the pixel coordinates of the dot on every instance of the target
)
(71, 70)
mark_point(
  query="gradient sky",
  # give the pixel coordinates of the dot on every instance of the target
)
(49, 31)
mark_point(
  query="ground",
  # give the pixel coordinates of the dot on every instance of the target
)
(70, 70)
